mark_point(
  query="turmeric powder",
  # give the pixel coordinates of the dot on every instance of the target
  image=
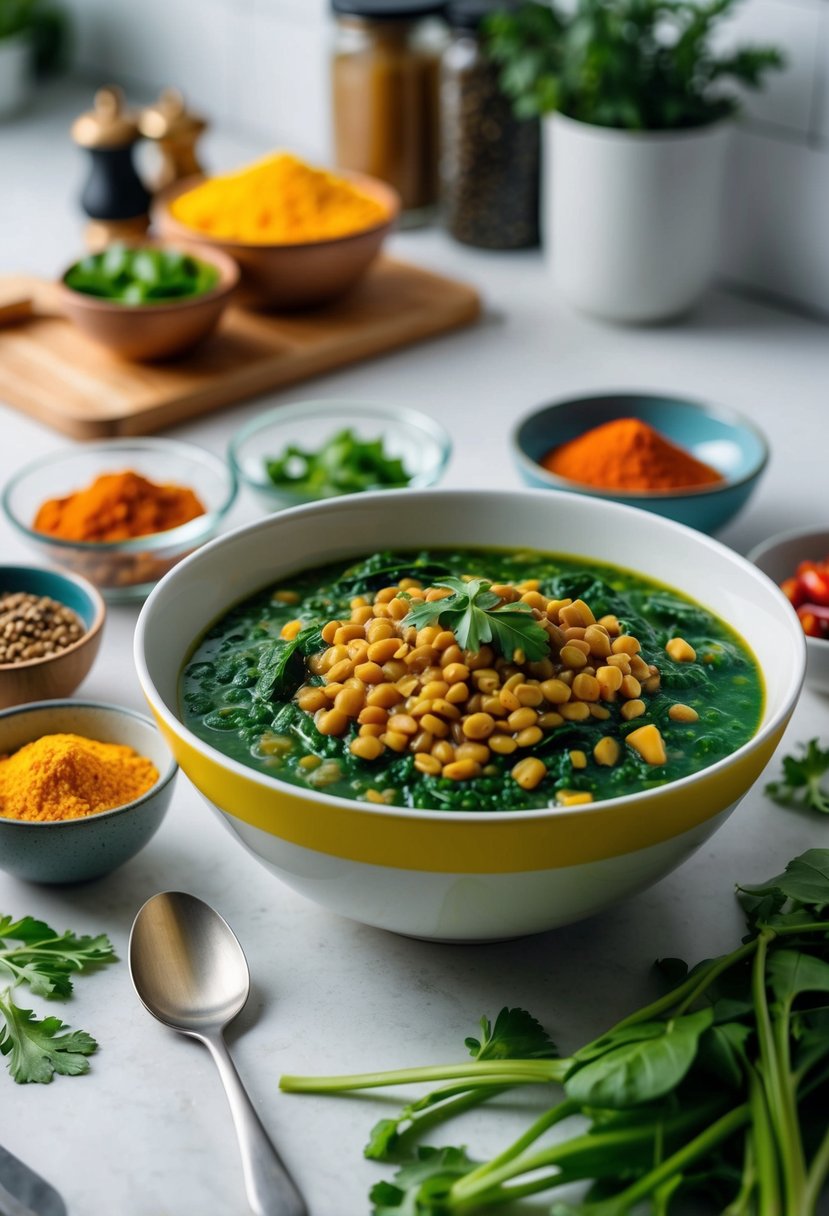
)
(68, 777)
(627, 454)
(277, 201)
(117, 506)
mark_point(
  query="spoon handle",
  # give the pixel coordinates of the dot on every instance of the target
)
(270, 1189)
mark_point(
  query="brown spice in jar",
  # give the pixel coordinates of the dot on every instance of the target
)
(35, 627)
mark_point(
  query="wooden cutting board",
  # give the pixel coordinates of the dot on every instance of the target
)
(50, 371)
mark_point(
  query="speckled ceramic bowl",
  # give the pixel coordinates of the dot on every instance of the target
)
(731, 444)
(466, 875)
(74, 850)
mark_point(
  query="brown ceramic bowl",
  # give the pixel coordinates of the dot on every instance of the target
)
(57, 675)
(143, 332)
(290, 276)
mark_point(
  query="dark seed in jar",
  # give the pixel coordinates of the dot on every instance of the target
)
(35, 627)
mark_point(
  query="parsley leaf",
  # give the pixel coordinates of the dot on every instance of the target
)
(802, 779)
(36, 1050)
(45, 959)
(516, 1035)
(473, 615)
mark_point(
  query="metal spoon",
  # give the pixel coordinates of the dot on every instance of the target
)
(190, 972)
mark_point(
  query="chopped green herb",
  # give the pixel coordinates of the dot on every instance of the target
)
(43, 959)
(141, 276)
(802, 779)
(714, 1097)
(343, 465)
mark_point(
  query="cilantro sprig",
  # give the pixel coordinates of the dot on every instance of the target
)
(802, 784)
(473, 614)
(33, 953)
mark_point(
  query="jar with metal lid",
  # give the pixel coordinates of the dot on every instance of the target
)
(385, 81)
(489, 158)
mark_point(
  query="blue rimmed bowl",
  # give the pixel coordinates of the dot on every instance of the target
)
(720, 437)
(122, 570)
(75, 850)
(60, 674)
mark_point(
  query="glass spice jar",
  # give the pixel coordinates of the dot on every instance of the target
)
(489, 158)
(385, 76)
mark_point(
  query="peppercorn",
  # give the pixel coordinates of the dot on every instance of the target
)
(35, 627)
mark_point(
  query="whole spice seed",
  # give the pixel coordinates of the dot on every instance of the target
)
(35, 627)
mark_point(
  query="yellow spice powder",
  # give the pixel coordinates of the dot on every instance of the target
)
(278, 200)
(67, 776)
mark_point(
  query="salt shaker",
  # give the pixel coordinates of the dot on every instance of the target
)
(114, 197)
(176, 131)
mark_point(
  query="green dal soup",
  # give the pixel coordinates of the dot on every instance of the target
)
(472, 680)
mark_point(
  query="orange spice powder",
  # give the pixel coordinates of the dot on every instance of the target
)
(627, 454)
(117, 506)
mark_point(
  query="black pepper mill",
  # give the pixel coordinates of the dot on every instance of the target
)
(114, 197)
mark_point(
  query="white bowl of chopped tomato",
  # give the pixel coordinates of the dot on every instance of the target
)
(798, 561)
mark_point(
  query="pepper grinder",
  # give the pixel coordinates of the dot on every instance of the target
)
(175, 130)
(114, 197)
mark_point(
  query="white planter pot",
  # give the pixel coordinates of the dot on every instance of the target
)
(15, 73)
(632, 217)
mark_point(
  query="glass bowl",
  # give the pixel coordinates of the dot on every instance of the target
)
(124, 570)
(419, 441)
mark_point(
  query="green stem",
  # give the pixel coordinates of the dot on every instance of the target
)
(433, 1115)
(567, 1153)
(496, 1072)
(724, 1127)
(556, 1114)
(789, 1150)
(818, 1171)
(741, 1203)
(765, 1155)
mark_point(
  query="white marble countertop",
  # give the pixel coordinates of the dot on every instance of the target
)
(147, 1132)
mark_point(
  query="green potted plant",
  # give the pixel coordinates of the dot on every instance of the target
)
(33, 40)
(642, 103)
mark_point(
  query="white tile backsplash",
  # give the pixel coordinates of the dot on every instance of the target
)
(262, 66)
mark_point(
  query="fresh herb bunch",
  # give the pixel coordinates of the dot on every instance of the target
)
(32, 953)
(638, 65)
(472, 612)
(802, 784)
(718, 1090)
(343, 465)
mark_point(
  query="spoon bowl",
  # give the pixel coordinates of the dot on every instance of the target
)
(200, 978)
(190, 973)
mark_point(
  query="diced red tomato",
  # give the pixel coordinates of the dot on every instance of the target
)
(814, 581)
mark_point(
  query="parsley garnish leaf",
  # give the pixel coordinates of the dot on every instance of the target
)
(36, 1050)
(471, 612)
(45, 959)
(802, 779)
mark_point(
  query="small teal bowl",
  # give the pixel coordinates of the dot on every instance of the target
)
(728, 442)
(75, 850)
(60, 674)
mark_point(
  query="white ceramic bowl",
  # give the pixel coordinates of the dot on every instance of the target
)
(461, 875)
(778, 557)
